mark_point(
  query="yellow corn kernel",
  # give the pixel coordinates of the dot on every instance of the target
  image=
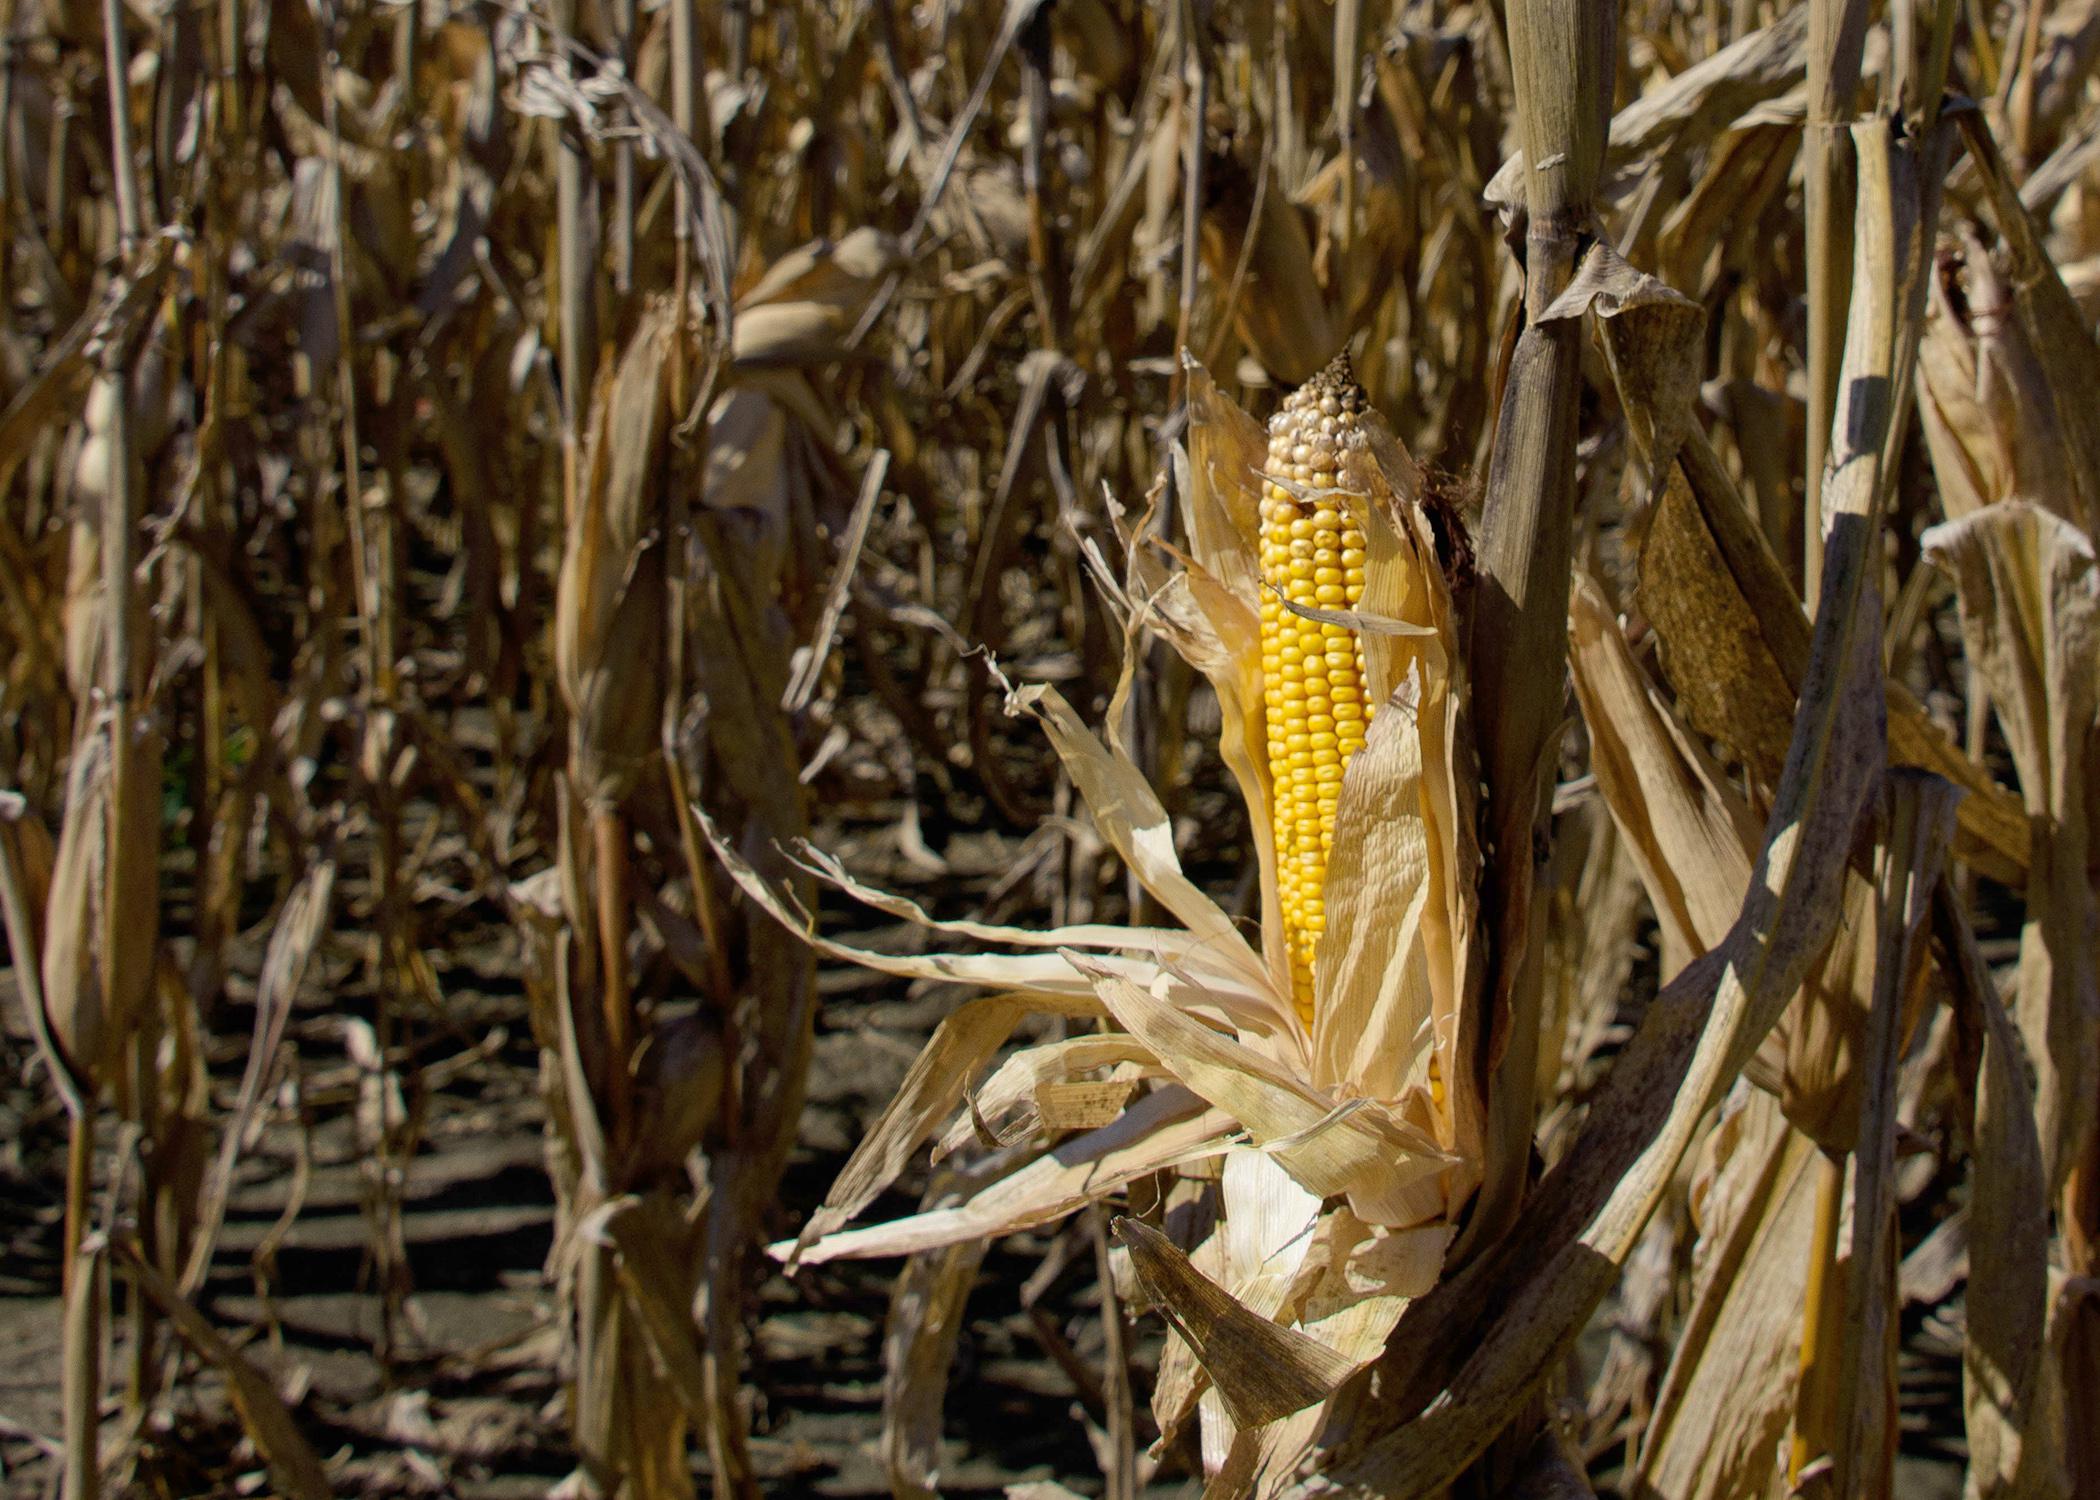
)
(1312, 553)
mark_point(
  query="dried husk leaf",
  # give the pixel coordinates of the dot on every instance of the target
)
(1357, 1147)
(1378, 1023)
(1262, 1370)
(1221, 508)
(1266, 1216)
(2030, 614)
(1396, 992)
(1169, 1127)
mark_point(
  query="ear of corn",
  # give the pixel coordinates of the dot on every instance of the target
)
(1312, 553)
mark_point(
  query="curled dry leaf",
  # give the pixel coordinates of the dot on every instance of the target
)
(804, 308)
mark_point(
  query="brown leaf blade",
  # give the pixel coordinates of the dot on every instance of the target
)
(268, 1422)
(1263, 1371)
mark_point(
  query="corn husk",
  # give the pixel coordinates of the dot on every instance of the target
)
(1204, 1041)
(94, 996)
(609, 608)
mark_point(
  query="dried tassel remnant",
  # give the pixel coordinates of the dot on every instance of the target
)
(1312, 553)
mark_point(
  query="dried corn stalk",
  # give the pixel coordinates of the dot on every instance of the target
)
(608, 645)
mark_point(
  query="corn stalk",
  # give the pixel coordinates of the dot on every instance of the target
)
(1561, 54)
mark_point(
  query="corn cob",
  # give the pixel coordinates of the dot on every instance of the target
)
(1312, 553)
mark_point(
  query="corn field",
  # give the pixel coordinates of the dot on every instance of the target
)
(1294, 749)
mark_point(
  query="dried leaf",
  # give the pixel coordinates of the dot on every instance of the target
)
(1689, 832)
(1984, 401)
(959, 1047)
(1358, 1147)
(1017, 1085)
(2013, 1450)
(1130, 817)
(1734, 641)
(1262, 1370)
(1168, 1127)
(269, 1425)
(2061, 338)
(919, 1341)
(1919, 827)
(1728, 1396)
(2030, 612)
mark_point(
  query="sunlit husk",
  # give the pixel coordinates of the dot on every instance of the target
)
(93, 995)
(609, 602)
